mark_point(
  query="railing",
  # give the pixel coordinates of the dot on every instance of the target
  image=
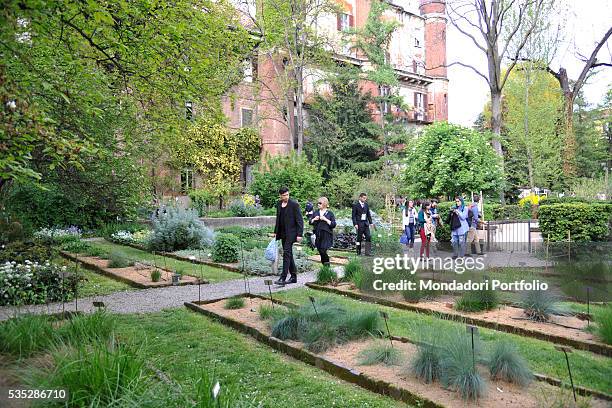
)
(512, 235)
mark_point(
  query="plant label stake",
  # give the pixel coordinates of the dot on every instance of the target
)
(98, 304)
(268, 282)
(588, 290)
(76, 287)
(473, 330)
(385, 316)
(215, 393)
(312, 300)
(566, 350)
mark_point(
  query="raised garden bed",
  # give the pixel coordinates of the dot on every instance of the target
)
(342, 362)
(498, 319)
(137, 276)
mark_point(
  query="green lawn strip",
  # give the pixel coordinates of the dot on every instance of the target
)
(209, 273)
(588, 369)
(182, 343)
(95, 284)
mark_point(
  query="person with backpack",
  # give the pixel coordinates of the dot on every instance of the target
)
(409, 221)
(473, 219)
(459, 226)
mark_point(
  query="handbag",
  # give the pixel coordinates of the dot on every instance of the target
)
(271, 252)
(403, 239)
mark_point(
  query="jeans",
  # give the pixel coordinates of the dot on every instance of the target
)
(288, 261)
(410, 232)
(458, 241)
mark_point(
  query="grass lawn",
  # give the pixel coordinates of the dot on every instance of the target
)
(588, 369)
(208, 272)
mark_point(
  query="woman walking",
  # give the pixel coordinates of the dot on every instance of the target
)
(409, 221)
(426, 228)
(459, 227)
(323, 222)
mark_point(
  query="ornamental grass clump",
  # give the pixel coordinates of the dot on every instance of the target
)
(25, 335)
(539, 305)
(235, 302)
(88, 328)
(380, 353)
(505, 363)
(352, 268)
(425, 364)
(457, 371)
(603, 323)
(155, 275)
(326, 275)
(477, 300)
(118, 259)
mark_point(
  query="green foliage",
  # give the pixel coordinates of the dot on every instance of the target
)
(227, 398)
(456, 366)
(155, 275)
(342, 188)
(179, 229)
(457, 160)
(586, 222)
(246, 233)
(380, 353)
(239, 208)
(266, 312)
(426, 362)
(76, 247)
(326, 275)
(506, 364)
(226, 248)
(10, 229)
(201, 199)
(603, 321)
(235, 302)
(118, 259)
(477, 300)
(25, 335)
(88, 328)
(286, 327)
(21, 251)
(294, 172)
(352, 268)
(538, 305)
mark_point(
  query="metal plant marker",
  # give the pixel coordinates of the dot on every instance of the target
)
(215, 393)
(98, 305)
(473, 330)
(588, 291)
(566, 350)
(76, 286)
(385, 316)
(268, 282)
(312, 300)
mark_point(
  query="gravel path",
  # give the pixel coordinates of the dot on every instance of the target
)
(153, 300)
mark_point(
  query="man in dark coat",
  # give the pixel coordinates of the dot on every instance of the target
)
(289, 229)
(362, 220)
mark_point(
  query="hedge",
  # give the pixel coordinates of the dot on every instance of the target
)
(586, 222)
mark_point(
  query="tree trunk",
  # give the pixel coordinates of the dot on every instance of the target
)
(496, 121)
(526, 125)
(569, 151)
(299, 96)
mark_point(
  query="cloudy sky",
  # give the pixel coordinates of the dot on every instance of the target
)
(587, 21)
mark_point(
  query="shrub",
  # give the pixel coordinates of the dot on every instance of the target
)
(456, 366)
(246, 233)
(94, 251)
(380, 353)
(58, 235)
(538, 305)
(76, 247)
(118, 259)
(477, 300)
(286, 328)
(342, 188)
(603, 320)
(226, 248)
(21, 251)
(506, 364)
(155, 275)
(302, 178)
(179, 229)
(240, 208)
(10, 229)
(326, 275)
(201, 199)
(25, 335)
(352, 268)
(587, 222)
(108, 229)
(235, 302)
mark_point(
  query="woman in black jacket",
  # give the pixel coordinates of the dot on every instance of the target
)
(323, 222)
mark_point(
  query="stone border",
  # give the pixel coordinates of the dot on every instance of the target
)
(593, 347)
(113, 275)
(346, 373)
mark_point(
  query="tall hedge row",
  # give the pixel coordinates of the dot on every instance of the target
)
(586, 222)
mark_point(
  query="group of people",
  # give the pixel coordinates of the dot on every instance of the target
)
(289, 227)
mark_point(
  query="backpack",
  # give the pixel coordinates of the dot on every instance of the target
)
(470, 216)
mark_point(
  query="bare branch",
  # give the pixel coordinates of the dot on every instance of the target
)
(592, 60)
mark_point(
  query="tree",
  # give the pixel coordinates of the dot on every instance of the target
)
(499, 29)
(340, 133)
(449, 159)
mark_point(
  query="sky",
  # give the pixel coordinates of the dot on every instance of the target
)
(587, 22)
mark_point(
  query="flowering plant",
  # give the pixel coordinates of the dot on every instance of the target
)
(58, 235)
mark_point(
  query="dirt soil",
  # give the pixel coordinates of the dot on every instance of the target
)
(140, 274)
(499, 393)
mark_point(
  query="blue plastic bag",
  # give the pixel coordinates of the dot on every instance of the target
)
(404, 239)
(272, 251)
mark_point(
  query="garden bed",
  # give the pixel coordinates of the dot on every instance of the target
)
(499, 319)
(342, 361)
(139, 277)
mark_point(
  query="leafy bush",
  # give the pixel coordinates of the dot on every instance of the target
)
(244, 207)
(538, 305)
(477, 300)
(108, 229)
(76, 247)
(10, 229)
(342, 188)
(506, 364)
(179, 229)
(326, 275)
(226, 248)
(235, 302)
(586, 222)
(294, 172)
(155, 275)
(246, 233)
(380, 353)
(34, 283)
(457, 368)
(201, 199)
(21, 251)
(58, 235)
(603, 320)
(118, 259)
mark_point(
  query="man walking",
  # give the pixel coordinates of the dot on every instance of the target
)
(289, 228)
(362, 220)
(473, 218)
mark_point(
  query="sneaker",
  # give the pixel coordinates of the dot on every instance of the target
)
(292, 280)
(280, 282)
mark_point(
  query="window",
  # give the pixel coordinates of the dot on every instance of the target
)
(248, 70)
(246, 117)
(419, 106)
(187, 181)
(189, 110)
(384, 92)
(344, 21)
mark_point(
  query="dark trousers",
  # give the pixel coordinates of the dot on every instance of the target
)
(288, 261)
(363, 231)
(324, 256)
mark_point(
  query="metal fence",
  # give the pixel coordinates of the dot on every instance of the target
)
(511, 235)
